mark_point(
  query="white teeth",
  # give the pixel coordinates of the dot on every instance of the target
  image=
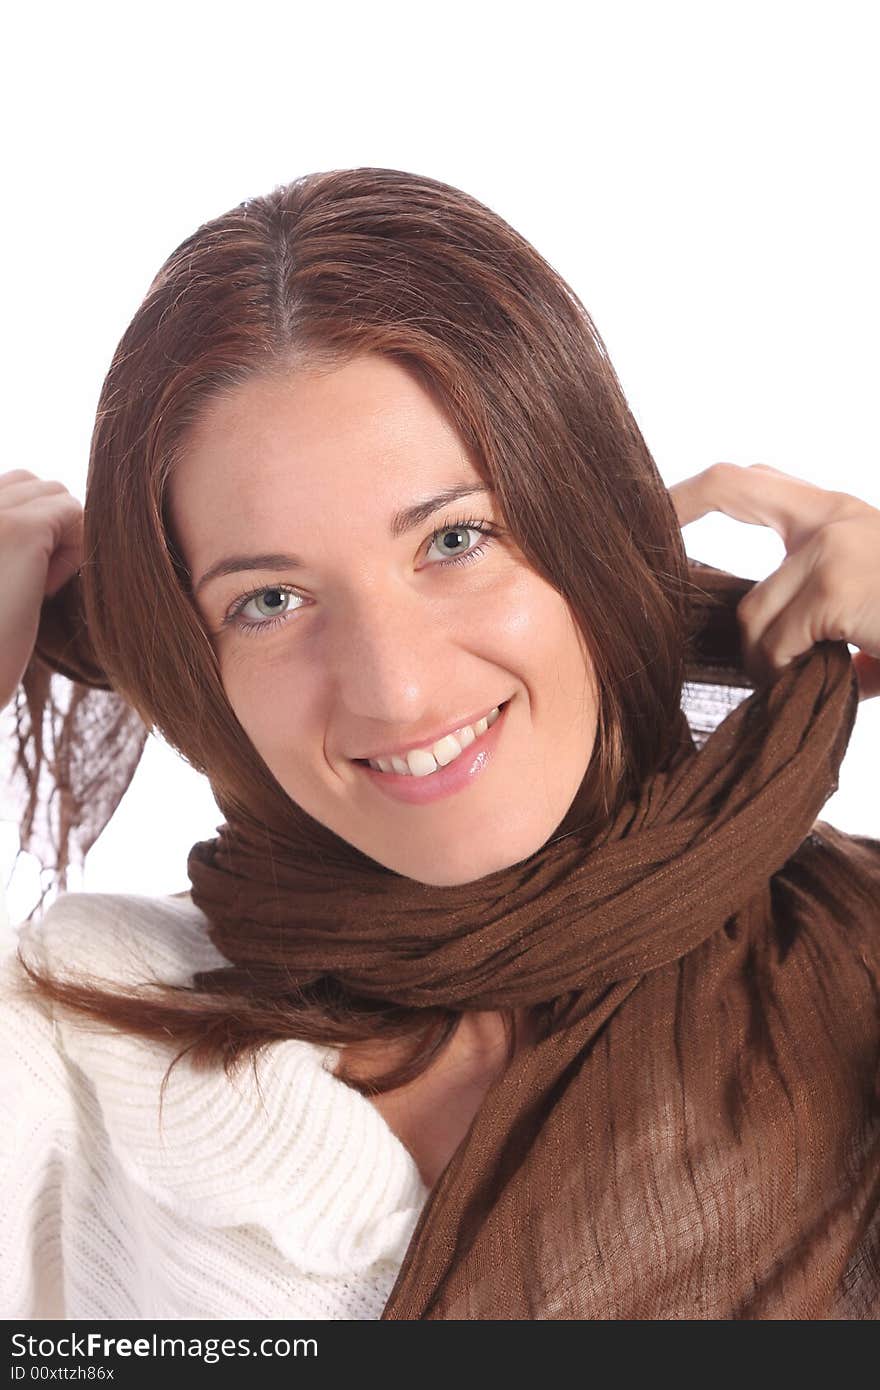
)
(421, 762)
(446, 748)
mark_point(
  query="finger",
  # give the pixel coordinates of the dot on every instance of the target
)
(766, 601)
(867, 670)
(758, 495)
(809, 617)
(67, 558)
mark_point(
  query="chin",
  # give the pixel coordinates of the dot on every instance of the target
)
(445, 869)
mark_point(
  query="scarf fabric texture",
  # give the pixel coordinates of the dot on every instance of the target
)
(697, 1134)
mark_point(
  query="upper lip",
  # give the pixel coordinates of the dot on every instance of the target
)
(428, 740)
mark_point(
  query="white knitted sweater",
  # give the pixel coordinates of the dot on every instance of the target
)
(298, 1202)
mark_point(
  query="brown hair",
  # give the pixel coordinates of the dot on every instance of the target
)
(332, 265)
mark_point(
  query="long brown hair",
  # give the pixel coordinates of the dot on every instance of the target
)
(332, 265)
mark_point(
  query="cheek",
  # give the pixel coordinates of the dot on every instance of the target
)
(269, 696)
(539, 634)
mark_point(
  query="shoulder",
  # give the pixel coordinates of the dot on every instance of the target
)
(825, 957)
(40, 1100)
(34, 1083)
(837, 874)
(121, 939)
(112, 941)
(273, 1150)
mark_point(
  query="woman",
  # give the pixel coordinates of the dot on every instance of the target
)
(463, 809)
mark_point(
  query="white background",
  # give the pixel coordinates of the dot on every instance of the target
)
(703, 175)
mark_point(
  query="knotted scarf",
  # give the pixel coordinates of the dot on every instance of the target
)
(697, 1134)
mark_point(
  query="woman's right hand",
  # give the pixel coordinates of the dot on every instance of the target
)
(41, 548)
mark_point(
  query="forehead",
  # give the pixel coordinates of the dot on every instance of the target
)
(316, 454)
(367, 425)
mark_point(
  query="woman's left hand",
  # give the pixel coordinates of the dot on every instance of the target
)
(828, 585)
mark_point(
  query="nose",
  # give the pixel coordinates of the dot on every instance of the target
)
(391, 659)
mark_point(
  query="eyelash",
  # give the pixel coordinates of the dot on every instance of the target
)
(233, 619)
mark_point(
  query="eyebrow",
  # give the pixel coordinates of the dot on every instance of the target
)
(407, 519)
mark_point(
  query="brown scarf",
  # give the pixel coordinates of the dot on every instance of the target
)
(698, 1135)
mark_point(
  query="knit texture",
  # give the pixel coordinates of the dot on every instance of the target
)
(291, 1199)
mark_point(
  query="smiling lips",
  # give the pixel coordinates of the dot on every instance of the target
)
(461, 772)
(421, 762)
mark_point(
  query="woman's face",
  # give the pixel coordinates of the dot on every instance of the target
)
(346, 630)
